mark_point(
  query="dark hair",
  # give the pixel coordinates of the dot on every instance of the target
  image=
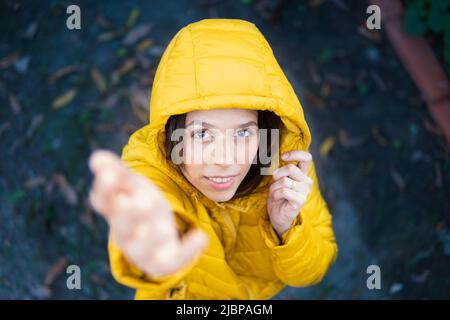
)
(266, 120)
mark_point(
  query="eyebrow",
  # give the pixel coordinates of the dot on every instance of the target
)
(208, 125)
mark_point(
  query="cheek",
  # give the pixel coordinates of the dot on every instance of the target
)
(194, 171)
(193, 153)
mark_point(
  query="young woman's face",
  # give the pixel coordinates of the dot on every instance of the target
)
(219, 148)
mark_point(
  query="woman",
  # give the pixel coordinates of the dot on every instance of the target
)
(201, 215)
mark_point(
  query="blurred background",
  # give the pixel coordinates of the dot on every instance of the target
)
(382, 162)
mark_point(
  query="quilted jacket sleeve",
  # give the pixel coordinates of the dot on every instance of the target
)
(135, 155)
(306, 250)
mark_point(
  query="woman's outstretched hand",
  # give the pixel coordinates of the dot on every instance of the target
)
(289, 190)
(142, 223)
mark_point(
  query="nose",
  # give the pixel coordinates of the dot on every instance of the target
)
(223, 152)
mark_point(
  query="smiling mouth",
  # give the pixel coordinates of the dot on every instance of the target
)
(221, 179)
(221, 183)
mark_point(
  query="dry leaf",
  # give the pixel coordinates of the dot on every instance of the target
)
(35, 182)
(126, 67)
(144, 44)
(348, 142)
(66, 189)
(4, 127)
(398, 179)
(314, 100)
(107, 36)
(325, 90)
(103, 22)
(87, 217)
(132, 17)
(35, 123)
(139, 102)
(9, 60)
(136, 34)
(378, 137)
(99, 80)
(31, 30)
(338, 80)
(15, 104)
(438, 173)
(326, 146)
(64, 99)
(61, 73)
(57, 268)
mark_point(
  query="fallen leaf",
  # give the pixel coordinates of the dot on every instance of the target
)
(326, 146)
(314, 100)
(107, 36)
(58, 267)
(64, 99)
(103, 22)
(325, 90)
(21, 65)
(87, 217)
(338, 80)
(136, 34)
(41, 292)
(398, 179)
(438, 174)
(35, 182)
(15, 104)
(98, 280)
(61, 73)
(144, 44)
(31, 30)
(36, 121)
(9, 60)
(314, 73)
(126, 67)
(132, 17)
(140, 103)
(99, 80)
(66, 189)
(347, 142)
(4, 127)
(378, 137)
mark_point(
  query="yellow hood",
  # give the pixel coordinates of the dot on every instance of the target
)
(227, 63)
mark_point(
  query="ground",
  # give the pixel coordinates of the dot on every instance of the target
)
(383, 167)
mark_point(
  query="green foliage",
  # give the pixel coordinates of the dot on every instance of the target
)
(422, 16)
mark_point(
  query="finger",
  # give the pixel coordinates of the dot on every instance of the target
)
(289, 195)
(290, 170)
(284, 182)
(109, 168)
(303, 157)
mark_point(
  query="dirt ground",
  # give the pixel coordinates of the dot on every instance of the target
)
(382, 164)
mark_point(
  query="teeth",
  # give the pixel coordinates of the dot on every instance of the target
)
(220, 180)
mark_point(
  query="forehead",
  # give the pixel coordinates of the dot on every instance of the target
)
(221, 117)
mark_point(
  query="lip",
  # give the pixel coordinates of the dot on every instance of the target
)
(223, 185)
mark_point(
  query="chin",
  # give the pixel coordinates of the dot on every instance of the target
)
(221, 197)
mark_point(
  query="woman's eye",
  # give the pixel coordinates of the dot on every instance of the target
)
(244, 133)
(201, 134)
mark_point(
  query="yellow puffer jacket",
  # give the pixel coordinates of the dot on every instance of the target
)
(227, 63)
